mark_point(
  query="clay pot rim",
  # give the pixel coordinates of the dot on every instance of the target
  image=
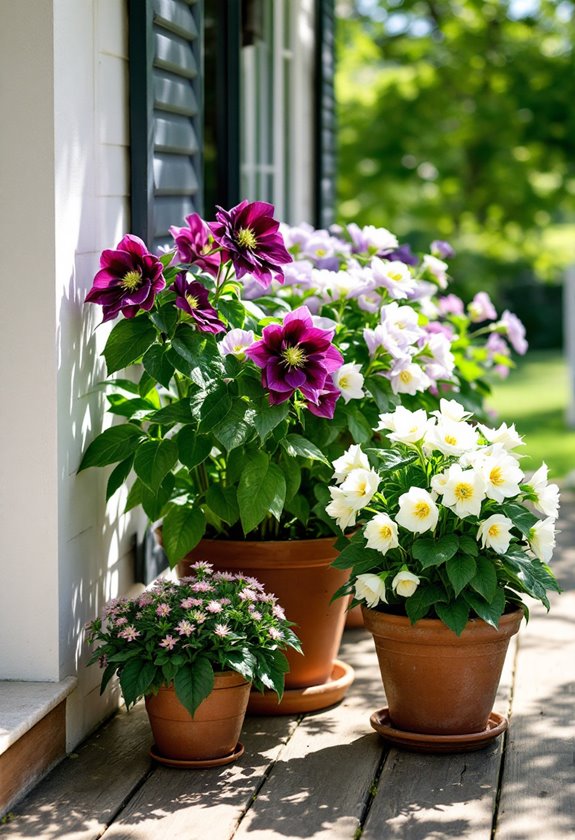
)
(433, 630)
(269, 554)
(222, 679)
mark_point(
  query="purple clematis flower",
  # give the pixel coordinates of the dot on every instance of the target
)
(250, 237)
(326, 400)
(129, 279)
(192, 298)
(443, 250)
(295, 356)
(402, 254)
(194, 244)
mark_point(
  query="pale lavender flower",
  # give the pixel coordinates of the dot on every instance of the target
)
(515, 332)
(120, 620)
(129, 633)
(279, 612)
(214, 607)
(450, 305)
(481, 309)
(202, 566)
(236, 342)
(248, 595)
(163, 610)
(201, 586)
(275, 634)
(224, 576)
(440, 248)
(189, 603)
(221, 630)
(169, 642)
(185, 627)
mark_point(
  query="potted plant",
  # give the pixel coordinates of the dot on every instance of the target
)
(193, 648)
(447, 542)
(249, 369)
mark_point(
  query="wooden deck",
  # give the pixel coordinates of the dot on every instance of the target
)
(328, 775)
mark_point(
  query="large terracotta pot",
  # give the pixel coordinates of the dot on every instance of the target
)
(299, 573)
(435, 681)
(212, 733)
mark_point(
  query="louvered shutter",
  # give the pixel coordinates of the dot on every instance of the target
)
(165, 115)
(325, 134)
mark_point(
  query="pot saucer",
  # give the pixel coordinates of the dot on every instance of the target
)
(199, 764)
(297, 701)
(421, 742)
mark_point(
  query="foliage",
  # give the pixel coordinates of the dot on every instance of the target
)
(448, 527)
(456, 119)
(181, 632)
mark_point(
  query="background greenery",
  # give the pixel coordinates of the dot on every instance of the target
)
(456, 121)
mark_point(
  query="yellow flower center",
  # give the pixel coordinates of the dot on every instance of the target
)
(321, 252)
(131, 280)
(343, 383)
(385, 532)
(395, 276)
(294, 357)
(405, 376)
(452, 441)
(496, 476)
(193, 302)
(421, 510)
(463, 491)
(494, 531)
(246, 238)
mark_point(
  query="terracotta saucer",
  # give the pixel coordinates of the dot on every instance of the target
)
(236, 753)
(299, 700)
(418, 742)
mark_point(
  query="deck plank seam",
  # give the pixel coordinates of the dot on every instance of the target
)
(372, 792)
(127, 799)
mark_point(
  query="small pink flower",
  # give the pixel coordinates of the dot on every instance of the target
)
(256, 615)
(129, 633)
(188, 603)
(201, 586)
(169, 642)
(279, 612)
(248, 595)
(185, 628)
(214, 607)
(163, 610)
(198, 616)
(221, 630)
(202, 566)
(121, 620)
(276, 634)
(224, 576)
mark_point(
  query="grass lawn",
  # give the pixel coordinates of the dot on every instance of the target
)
(534, 397)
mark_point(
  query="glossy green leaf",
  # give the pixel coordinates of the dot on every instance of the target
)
(127, 342)
(114, 444)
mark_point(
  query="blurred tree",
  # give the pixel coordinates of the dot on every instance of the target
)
(457, 121)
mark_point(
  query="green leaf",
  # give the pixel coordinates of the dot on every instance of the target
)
(359, 427)
(261, 491)
(267, 417)
(176, 412)
(205, 363)
(522, 518)
(298, 506)
(292, 472)
(460, 570)
(154, 502)
(194, 682)
(392, 459)
(107, 675)
(271, 668)
(154, 459)
(165, 318)
(233, 430)
(485, 580)
(454, 614)
(135, 680)
(193, 448)
(135, 495)
(118, 476)
(242, 661)
(296, 445)
(490, 611)
(419, 604)
(223, 501)
(435, 552)
(128, 408)
(214, 408)
(233, 311)
(380, 391)
(114, 444)
(158, 365)
(182, 530)
(468, 545)
(127, 342)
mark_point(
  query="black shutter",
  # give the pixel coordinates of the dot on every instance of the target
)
(165, 115)
(325, 129)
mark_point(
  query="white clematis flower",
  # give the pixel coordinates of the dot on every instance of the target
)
(371, 589)
(408, 378)
(451, 437)
(353, 459)
(359, 487)
(405, 583)
(451, 410)
(349, 380)
(417, 511)
(394, 276)
(340, 509)
(547, 494)
(495, 533)
(506, 435)
(542, 539)
(381, 533)
(502, 475)
(464, 491)
(408, 426)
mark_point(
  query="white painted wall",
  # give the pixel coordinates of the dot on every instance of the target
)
(63, 187)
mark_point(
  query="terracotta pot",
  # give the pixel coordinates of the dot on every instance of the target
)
(299, 573)
(354, 618)
(213, 732)
(436, 682)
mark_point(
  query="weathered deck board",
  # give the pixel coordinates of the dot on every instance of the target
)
(538, 795)
(194, 805)
(322, 780)
(84, 793)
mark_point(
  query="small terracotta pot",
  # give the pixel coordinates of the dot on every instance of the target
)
(354, 618)
(299, 573)
(214, 730)
(435, 681)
